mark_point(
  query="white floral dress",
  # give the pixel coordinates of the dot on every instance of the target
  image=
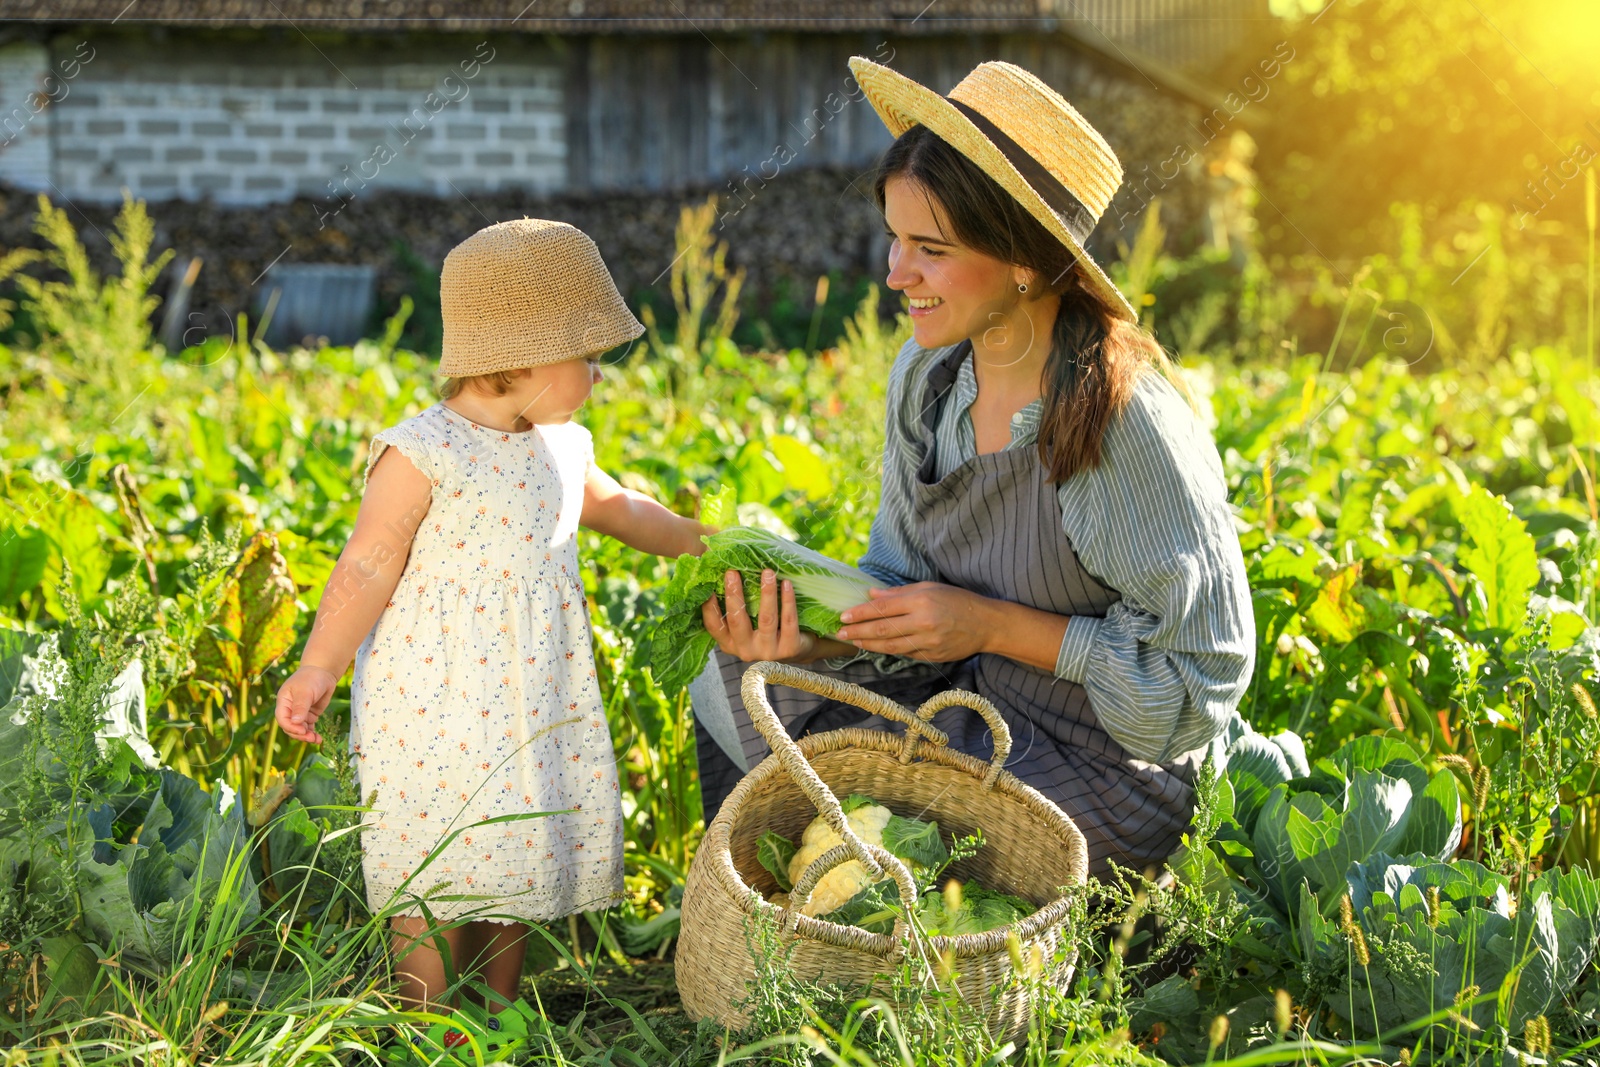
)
(474, 696)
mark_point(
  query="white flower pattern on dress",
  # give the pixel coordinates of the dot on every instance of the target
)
(475, 695)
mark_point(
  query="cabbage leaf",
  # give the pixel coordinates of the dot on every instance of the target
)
(823, 587)
(915, 840)
(774, 851)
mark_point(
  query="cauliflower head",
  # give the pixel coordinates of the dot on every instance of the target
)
(847, 879)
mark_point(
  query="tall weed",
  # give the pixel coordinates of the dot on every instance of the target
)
(92, 328)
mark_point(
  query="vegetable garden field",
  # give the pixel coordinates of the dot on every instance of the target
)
(1398, 866)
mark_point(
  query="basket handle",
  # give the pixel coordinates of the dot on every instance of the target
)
(753, 690)
(991, 715)
(839, 854)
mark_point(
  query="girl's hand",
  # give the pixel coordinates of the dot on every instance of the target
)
(924, 620)
(302, 701)
(777, 634)
(636, 520)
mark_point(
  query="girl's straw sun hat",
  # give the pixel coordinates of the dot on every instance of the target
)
(524, 293)
(1021, 133)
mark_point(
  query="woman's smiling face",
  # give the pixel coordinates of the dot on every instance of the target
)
(955, 291)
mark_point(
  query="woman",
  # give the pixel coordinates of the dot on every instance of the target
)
(1054, 527)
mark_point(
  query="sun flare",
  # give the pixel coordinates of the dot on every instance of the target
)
(1564, 33)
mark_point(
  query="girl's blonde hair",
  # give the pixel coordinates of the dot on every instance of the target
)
(495, 383)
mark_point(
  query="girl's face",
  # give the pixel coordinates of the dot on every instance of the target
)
(553, 392)
(955, 291)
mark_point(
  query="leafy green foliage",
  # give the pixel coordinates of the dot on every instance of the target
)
(309, 856)
(1525, 955)
(874, 908)
(96, 323)
(137, 897)
(916, 840)
(1344, 889)
(979, 911)
(1500, 554)
(823, 587)
(1371, 796)
(774, 852)
(254, 624)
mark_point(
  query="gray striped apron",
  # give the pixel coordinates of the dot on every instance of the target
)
(993, 526)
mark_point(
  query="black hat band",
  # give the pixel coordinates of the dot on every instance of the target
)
(1077, 218)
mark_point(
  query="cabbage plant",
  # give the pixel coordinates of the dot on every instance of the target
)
(77, 777)
(140, 897)
(1339, 886)
(1469, 927)
(1371, 796)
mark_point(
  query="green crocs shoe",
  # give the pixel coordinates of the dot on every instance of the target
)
(412, 1047)
(475, 1033)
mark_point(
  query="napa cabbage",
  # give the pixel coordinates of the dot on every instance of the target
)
(823, 587)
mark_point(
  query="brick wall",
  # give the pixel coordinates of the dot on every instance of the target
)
(264, 121)
(26, 113)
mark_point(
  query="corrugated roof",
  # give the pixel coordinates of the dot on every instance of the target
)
(551, 16)
(1188, 34)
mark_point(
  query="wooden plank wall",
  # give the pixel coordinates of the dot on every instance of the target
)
(668, 113)
(1198, 37)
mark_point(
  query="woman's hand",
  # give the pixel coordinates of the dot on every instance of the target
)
(776, 635)
(302, 701)
(924, 620)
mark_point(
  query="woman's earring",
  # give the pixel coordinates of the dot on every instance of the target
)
(1022, 287)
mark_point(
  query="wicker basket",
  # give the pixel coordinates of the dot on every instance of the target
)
(1031, 849)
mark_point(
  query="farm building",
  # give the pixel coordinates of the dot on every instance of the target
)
(273, 137)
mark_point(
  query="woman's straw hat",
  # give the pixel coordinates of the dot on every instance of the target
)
(1022, 134)
(524, 293)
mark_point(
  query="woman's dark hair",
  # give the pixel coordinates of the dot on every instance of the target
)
(1095, 357)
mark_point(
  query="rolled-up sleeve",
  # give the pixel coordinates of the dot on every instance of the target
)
(1168, 664)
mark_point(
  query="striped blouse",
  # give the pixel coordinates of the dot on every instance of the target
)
(1167, 666)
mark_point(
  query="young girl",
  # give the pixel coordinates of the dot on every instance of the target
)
(474, 692)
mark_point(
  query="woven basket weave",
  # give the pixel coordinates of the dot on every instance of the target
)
(1032, 850)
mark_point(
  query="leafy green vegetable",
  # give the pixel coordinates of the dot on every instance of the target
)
(915, 840)
(1256, 763)
(297, 862)
(138, 898)
(990, 909)
(856, 800)
(774, 851)
(1501, 555)
(823, 587)
(641, 936)
(719, 507)
(981, 910)
(1532, 954)
(873, 908)
(1371, 796)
